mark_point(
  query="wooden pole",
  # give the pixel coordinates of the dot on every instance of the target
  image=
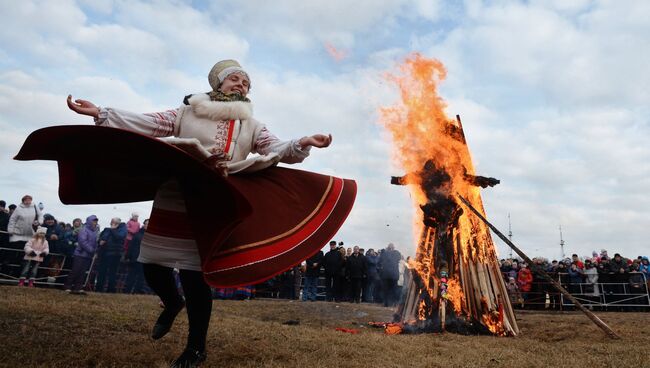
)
(603, 326)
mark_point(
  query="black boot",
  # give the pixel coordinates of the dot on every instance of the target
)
(189, 359)
(165, 320)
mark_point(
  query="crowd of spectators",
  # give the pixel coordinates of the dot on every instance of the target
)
(34, 245)
(593, 278)
(83, 255)
(344, 275)
(69, 249)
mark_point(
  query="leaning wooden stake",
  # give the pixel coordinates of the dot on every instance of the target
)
(603, 326)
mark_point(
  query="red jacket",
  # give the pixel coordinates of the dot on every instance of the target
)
(525, 279)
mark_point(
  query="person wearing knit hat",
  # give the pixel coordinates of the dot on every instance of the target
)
(221, 70)
(218, 129)
(35, 250)
(132, 228)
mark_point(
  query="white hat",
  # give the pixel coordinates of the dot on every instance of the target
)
(221, 70)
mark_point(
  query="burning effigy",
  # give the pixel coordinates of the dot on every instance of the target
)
(455, 284)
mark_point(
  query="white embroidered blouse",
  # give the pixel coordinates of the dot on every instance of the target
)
(216, 135)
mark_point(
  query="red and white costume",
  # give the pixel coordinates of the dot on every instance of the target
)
(238, 230)
(219, 127)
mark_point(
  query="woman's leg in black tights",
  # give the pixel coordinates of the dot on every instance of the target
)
(198, 298)
(161, 280)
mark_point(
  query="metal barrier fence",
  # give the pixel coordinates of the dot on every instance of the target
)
(54, 270)
(629, 292)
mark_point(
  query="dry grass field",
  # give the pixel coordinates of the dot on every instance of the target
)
(48, 328)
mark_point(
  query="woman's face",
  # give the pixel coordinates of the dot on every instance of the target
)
(235, 83)
(27, 201)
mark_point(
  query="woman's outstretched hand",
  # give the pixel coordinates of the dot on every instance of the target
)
(83, 107)
(316, 140)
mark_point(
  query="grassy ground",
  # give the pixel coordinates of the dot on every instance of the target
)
(48, 328)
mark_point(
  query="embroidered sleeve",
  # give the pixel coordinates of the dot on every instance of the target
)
(290, 152)
(155, 124)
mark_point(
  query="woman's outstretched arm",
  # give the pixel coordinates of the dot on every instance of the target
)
(158, 124)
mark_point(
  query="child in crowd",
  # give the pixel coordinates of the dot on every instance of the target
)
(35, 249)
(513, 292)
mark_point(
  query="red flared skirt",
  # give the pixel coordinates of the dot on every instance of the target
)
(247, 227)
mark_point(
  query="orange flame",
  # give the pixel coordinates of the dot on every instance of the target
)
(455, 295)
(421, 131)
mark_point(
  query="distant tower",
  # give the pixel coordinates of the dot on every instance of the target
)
(562, 243)
(510, 233)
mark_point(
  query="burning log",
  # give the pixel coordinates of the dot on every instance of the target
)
(455, 282)
(452, 287)
(602, 325)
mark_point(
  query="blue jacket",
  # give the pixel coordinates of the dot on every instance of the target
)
(87, 240)
(372, 264)
(70, 241)
(575, 277)
(645, 269)
(114, 239)
(54, 229)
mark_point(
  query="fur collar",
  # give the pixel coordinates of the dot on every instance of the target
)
(218, 110)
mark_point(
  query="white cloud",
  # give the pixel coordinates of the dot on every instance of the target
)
(194, 38)
(307, 25)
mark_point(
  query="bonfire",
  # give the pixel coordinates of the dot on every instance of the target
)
(455, 282)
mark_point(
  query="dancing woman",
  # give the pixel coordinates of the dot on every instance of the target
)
(220, 125)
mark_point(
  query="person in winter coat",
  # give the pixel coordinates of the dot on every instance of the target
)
(54, 234)
(514, 270)
(513, 292)
(373, 283)
(525, 281)
(36, 249)
(312, 271)
(4, 222)
(389, 273)
(333, 262)
(54, 237)
(644, 267)
(83, 255)
(618, 265)
(356, 270)
(575, 278)
(135, 277)
(342, 291)
(70, 240)
(111, 243)
(132, 228)
(22, 224)
(591, 278)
